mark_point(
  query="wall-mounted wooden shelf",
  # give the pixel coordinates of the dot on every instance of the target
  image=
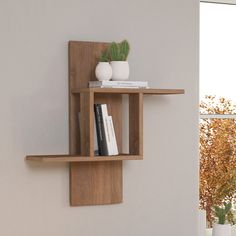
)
(149, 91)
(75, 158)
(98, 180)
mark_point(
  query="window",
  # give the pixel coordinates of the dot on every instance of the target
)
(218, 110)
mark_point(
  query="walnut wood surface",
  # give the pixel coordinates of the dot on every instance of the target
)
(95, 182)
(75, 158)
(98, 183)
(150, 91)
(136, 124)
(87, 124)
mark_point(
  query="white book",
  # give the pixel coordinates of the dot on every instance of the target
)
(106, 125)
(113, 136)
(93, 84)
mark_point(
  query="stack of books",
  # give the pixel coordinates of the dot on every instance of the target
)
(104, 133)
(118, 84)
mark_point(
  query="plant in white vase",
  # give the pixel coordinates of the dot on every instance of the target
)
(103, 69)
(118, 53)
(221, 228)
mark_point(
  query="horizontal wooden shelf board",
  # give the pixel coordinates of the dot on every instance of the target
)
(149, 91)
(75, 158)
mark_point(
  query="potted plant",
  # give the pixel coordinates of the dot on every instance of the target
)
(221, 228)
(118, 53)
(103, 69)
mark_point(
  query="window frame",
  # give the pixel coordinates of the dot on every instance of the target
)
(229, 2)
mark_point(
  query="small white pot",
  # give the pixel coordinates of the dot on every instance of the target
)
(208, 232)
(221, 230)
(120, 70)
(103, 71)
(233, 230)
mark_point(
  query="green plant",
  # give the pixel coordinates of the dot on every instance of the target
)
(222, 212)
(104, 57)
(119, 51)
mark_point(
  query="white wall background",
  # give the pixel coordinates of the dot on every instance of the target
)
(160, 193)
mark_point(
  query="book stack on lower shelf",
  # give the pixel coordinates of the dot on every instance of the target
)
(104, 133)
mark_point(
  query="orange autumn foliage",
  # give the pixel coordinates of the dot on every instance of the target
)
(217, 156)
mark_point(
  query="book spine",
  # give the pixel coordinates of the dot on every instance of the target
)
(102, 147)
(118, 83)
(96, 150)
(113, 136)
(106, 129)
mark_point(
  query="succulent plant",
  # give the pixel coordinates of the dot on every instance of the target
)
(116, 52)
(124, 48)
(222, 212)
(104, 57)
(119, 51)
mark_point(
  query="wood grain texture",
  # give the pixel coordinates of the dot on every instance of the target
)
(75, 158)
(99, 183)
(150, 91)
(136, 124)
(94, 182)
(87, 124)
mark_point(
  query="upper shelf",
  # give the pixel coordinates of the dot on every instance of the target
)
(149, 91)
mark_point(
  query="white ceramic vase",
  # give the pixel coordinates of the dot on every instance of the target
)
(221, 230)
(208, 232)
(120, 70)
(103, 71)
(201, 222)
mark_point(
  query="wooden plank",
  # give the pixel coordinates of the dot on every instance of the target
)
(87, 124)
(83, 71)
(151, 91)
(74, 158)
(136, 124)
(97, 182)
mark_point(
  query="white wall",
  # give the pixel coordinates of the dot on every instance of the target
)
(160, 193)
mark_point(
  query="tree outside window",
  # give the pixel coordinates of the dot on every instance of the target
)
(217, 107)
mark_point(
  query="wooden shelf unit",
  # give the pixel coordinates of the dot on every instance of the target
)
(98, 180)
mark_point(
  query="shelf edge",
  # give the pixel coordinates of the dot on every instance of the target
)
(71, 158)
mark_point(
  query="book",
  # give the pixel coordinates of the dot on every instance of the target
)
(106, 129)
(113, 136)
(101, 138)
(118, 84)
(96, 151)
(107, 145)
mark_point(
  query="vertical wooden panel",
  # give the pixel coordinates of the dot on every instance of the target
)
(136, 124)
(87, 124)
(98, 182)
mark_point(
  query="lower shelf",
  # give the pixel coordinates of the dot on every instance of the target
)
(75, 158)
